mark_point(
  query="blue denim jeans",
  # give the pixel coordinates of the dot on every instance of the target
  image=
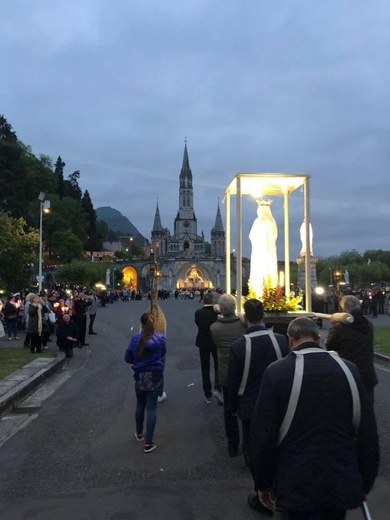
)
(148, 401)
(12, 328)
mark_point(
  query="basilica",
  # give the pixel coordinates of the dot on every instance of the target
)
(187, 260)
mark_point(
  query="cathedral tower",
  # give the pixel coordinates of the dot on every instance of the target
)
(185, 238)
(218, 236)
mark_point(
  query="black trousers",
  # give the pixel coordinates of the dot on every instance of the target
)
(204, 354)
(80, 321)
(91, 320)
(232, 429)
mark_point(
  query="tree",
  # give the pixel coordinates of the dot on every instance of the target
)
(92, 243)
(82, 273)
(59, 171)
(10, 154)
(71, 186)
(18, 248)
(66, 246)
(350, 257)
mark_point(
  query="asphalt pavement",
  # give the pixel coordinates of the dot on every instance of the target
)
(25, 381)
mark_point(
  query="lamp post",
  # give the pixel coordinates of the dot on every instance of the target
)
(44, 207)
(155, 274)
(330, 277)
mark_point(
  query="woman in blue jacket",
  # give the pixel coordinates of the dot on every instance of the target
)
(145, 353)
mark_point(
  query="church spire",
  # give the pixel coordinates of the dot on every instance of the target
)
(185, 174)
(218, 226)
(157, 220)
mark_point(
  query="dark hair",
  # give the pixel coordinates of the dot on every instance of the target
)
(147, 322)
(254, 311)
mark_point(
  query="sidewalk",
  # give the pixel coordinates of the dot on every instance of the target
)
(24, 381)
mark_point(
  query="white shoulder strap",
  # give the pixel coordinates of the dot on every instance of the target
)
(297, 384)
(248, 350)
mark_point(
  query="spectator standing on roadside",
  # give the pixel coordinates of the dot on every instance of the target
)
(92, 309)
(29, 297)
(79, 316)
(310, 450)
(11, 310)
(354, 341)
(35, 325)
(224, 331)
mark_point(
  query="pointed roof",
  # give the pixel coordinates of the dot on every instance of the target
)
(185, 169)
(218, 226)
(157, 220)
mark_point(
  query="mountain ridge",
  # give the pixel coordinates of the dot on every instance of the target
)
(116, 221)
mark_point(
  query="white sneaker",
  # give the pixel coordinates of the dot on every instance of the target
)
(162, 397)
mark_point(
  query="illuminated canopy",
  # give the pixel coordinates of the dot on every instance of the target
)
(258, 185)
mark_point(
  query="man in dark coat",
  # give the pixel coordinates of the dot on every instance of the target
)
(79, 316)
(204, 317)
(354, 341)
(263, 348)
(310, 450)
(67, 335)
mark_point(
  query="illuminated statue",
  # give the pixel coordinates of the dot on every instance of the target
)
(263, 235)
(302, 232)
(108, 272)
(346, 276)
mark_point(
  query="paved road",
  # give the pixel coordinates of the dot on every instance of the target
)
(76, 457)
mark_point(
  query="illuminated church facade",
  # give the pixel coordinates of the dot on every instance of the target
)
(187, 260)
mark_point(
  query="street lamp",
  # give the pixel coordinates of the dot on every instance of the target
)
(155, 275)
(44, 207)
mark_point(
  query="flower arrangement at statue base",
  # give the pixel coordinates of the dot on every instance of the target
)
(274, 299)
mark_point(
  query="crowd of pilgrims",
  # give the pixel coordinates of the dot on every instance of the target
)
(62, 315)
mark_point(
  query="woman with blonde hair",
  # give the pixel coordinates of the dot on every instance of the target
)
(35, 323)
(145, 353)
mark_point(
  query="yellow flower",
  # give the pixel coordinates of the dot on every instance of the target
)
(274, 299)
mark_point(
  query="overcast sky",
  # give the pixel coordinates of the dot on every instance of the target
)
(255, 86)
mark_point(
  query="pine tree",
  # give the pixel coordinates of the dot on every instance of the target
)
(59, 171)
(10, 167)
(92, 243)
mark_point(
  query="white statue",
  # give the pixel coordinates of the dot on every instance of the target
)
(346, 276)
(263, 235)
(302, 233)
(108, 272)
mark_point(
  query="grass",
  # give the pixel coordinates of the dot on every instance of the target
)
(382, 340)
(12, 358)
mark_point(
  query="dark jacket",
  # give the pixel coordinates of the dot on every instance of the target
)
(355, 342)
(10, 311)
(320, 463)
(204, 317)
(262, 354)
(32, 326)
(155, 350)
(63, 331)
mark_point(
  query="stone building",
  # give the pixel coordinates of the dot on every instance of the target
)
(187, 260)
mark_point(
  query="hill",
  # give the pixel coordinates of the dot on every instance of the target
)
(116, 221)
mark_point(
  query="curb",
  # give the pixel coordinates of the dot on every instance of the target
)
(21, 383)
(381, 358)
